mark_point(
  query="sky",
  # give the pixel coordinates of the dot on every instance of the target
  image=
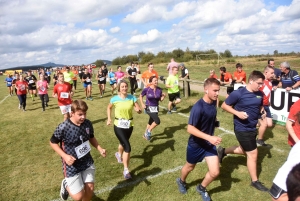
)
(79, 32)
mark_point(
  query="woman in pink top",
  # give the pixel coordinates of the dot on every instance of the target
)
(119, 74)
(42, 87)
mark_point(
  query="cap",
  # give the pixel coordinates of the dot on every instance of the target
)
(182, 64)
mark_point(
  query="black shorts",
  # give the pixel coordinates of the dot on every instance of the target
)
(102, 82)
(247, 139)
(30, 87)
(174, 96)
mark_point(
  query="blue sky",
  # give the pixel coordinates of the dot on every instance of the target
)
(80, 32)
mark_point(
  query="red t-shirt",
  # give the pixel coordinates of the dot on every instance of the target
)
(146, 75)
(21, 85)
(240, 75)
(292, 117)
(266, 89)
(63, 93)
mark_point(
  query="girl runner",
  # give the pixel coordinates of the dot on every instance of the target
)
(22, 86)
(42, 86)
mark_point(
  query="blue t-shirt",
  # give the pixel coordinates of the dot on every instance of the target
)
(249, 102)
(9, 81)
(203, 117)
(289, 79)
(112, 78)
(152, 99)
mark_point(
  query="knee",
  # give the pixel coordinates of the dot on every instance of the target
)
(127, 148)
(214, 173)
(78, 196)
(157, 121)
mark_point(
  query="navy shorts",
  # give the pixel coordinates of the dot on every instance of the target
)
(268, 112)
(197, 154)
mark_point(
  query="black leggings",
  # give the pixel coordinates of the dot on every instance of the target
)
(123, 135)
(133, 85)
(44, 98)
(153, 118)
(22, 99)
(75, 84)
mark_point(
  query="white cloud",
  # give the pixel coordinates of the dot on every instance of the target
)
(150, 36)
(115, 29)
(99, 23)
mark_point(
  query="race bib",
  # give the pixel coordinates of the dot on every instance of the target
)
(102, 78)
(88, 80)
(153, 109)
(9, 83)
(22, 87)
(133, 73)
(31, 81)
(123, 123)
(42, 88)
(82, 149)
(80, 71)
(176, 82)
(112, 79)
(64, 95)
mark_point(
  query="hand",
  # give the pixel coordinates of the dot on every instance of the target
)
(275, 87)
(215, 140)
(69, 159)
(144, 106)
(242, 115)
(108, 122)
(263, 116)
(288, 88)
(103, 152)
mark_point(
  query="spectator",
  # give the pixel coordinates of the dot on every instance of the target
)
(289, 78)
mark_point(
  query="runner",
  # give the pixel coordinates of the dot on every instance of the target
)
(132, 72)
(15, 79)
(202, 142)
(101, 81)
(153, 95)
(55, 77)
(63, 92)
(246, 104)
(42, 86)
(112, 81)
(80, 73)
(293, 123)
(268, 121)
(22, 87)
(68, 76)
(119, 74)
(104, 72)
(31, 80)
(48, 72)
(75, 73)
(71, 140)
(9, 84)
(172, 84)
(123, 124)
(147, 74)
(87, 84)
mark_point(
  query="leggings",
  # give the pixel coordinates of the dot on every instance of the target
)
(153, 118)
(75, 84)
(123, 135)
(133, 85)
(22, 99)
(44, 98)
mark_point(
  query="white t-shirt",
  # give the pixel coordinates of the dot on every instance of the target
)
(292, 160)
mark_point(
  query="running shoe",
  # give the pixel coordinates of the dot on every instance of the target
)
(259, 186)
(147, 137)
(181, 186)
(169, 112)
(19, 106)
(261, 143)
(119, 159)
(205, 196)
(46, 104)
(126, 174)
(91, 98)
(221, 153)
(24, 110)
(174, 108)
(86, 98)
(64, 194)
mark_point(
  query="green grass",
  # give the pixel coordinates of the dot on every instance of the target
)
(31, 170)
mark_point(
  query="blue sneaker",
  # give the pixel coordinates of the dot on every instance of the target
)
(169, 112)
(203, 193)
(181, 186)
(174, 108)
(91, 98)
(147, 135)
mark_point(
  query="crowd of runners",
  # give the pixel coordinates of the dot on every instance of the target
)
(249, 106)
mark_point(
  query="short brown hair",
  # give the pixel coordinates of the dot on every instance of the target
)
(210, 81)
(79, 105)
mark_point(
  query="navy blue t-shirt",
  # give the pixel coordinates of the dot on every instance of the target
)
(203, 117)
(249, 102)
(289, 79)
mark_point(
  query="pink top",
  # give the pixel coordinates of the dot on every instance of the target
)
(43, 87)
(171, 65)
(119, 74)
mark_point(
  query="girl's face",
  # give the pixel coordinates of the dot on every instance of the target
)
(123, 88)
(154, 81)
(119, 69)
(42, 77)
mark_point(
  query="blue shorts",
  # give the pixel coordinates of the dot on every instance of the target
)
(86, 84)
(197, 154)
(268, 112)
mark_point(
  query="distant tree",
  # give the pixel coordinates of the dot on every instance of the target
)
(117, 61)
(161, 54)
(187, 57)
(227, 54)
(178, 53)
(148, 57)
(275, 52)
(187, 50)
(140, 55)
(132, 58)
(99, 63)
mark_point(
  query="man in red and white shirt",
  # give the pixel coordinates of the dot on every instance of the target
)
(63, 92)
(266, 89)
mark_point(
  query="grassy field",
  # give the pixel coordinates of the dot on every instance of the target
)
(31, 170)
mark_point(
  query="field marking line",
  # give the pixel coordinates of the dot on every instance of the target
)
(4, 98)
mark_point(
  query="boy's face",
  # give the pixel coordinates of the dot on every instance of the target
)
(78, 116)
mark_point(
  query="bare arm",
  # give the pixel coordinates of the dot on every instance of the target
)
(95, 144)
(67, 158)
(109, 107)
(137, 108)
(142, 102)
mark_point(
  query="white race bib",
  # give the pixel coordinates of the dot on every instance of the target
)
(79, 71)
(42, 88)
(112, 79)
(133, 73)
(64, 95)
(22, 87)
(9, 83)
(123, 123)
(31, 81)
(102, 78)
(153, 109)
(82, 149)
(176, 82)
(88, 80)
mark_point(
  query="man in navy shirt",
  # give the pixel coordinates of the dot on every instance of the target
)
(246, 104)
(289, 78)
(202, 142)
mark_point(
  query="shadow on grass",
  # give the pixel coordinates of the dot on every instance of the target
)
(126, 186)
(95, 198)
(98, 120)
(168, 132)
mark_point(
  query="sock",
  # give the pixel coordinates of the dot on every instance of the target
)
(182, 182)
(201, 187)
